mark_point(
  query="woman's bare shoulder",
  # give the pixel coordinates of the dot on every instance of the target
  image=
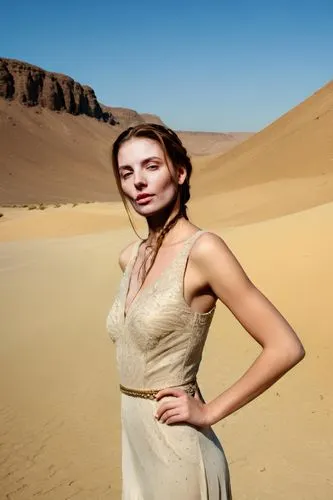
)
(207, 243)
(125, 255)
(211, 253)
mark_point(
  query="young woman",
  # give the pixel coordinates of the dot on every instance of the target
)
(159, 322)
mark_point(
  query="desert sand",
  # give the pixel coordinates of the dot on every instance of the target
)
(56, 157)
(271, 199)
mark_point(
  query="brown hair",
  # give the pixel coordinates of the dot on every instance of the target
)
(175, 151)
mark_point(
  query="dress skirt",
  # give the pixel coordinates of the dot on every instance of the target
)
(169, 461)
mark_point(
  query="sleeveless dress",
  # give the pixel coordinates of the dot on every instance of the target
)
(159, 344)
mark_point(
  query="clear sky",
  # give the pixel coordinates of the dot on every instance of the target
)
(228, 65)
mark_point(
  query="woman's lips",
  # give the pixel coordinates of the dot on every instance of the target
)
(145, 200)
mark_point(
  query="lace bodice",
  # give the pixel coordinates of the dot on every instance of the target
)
(159, 342)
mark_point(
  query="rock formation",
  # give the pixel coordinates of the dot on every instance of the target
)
(129, 117)
(125, 117)
(33, 86)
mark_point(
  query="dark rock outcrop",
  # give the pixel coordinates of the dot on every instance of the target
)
(129, 117)
(125, 117)
(33, 86)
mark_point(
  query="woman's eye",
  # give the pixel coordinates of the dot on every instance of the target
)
(126, 175)
(154, 167)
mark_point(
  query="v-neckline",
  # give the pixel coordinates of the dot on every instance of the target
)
(141, 291)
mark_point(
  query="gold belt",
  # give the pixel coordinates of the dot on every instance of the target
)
(189, 387)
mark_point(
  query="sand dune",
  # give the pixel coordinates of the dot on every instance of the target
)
(299, 144)
(48, 156)
(288, 166)
(271, 200)
(53, 157)
(60, 403)
(68, 220)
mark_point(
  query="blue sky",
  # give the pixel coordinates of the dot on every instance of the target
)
(233, 65)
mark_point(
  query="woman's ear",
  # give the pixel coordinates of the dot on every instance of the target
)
(182, 174)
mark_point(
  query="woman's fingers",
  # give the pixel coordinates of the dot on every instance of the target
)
(169, 415)
(169, 391)
(174, 420)
(168, 405)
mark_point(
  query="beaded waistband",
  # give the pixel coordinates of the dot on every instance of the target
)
(189, 387)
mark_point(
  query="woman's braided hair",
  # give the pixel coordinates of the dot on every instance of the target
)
(176, 152)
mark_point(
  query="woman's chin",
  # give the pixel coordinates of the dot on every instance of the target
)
(145, 211)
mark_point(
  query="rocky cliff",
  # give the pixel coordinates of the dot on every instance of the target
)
(129, 117)
(33, 86)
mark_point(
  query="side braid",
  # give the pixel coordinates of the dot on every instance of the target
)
(159, 242)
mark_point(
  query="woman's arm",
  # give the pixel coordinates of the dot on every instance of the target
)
(282, 349)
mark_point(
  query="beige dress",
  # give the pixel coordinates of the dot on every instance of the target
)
(159, 344)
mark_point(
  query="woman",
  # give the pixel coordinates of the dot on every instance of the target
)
(159, 322)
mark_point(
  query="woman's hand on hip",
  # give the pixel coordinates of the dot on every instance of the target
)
(182, 408)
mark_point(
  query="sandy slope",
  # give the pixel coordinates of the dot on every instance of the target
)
(67, 220)
(299, 144)
(60, 402)
(47, 156)
(285, 168)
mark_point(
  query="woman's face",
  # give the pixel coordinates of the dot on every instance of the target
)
(145, 176)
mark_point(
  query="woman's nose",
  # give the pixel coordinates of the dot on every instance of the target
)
(139, 179)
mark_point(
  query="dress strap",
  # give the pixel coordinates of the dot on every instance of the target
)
(135, 249)
(190, 242)
(182, 261)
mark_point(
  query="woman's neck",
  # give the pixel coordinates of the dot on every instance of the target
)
(155, 228)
